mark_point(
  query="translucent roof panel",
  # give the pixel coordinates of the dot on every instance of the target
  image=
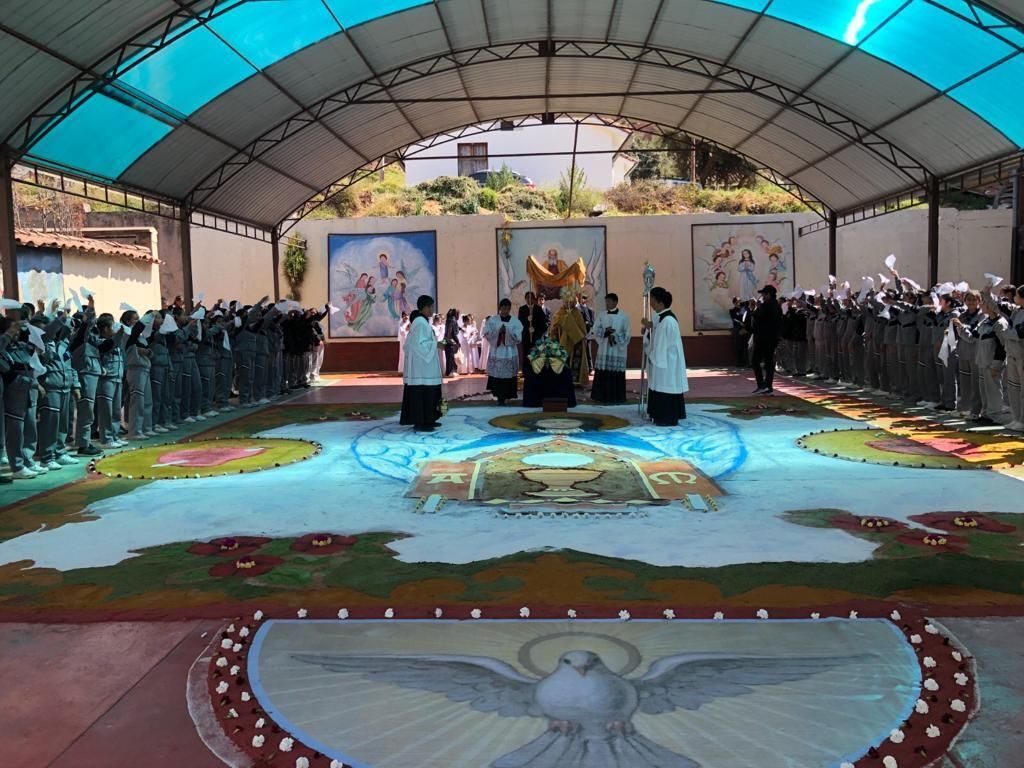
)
(988, 95)
(352, 12)
(86, 139)
(266, 32)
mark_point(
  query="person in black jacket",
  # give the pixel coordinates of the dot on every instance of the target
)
(739, 335)
(535, 324)
(767, 329)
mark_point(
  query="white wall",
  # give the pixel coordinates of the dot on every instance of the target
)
(225, 266)
(603, 172)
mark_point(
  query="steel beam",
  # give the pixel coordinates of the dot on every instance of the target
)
(275, 259)
(1017, 250)
(8, 246)
(833, 255)
(186, 256)
(933, 230)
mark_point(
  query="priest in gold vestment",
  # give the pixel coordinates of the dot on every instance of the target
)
(569, 329)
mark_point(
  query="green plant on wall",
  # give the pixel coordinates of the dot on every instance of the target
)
(295, 265)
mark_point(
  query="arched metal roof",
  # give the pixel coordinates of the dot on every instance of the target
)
(251, 107)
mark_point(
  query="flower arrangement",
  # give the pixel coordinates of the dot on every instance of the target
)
(965, 522)
(875, 522)
(245, 563)
(322, 540)
(548, 353)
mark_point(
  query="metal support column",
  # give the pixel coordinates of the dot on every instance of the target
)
(186, 254)
(833, 256)
(933, 230)
(8, 247)
(1017, 251)
(275, 257)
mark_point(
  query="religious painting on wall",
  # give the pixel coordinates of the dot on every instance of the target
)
(546, 259)
(373, 279)
(40, 274)
(736, 260)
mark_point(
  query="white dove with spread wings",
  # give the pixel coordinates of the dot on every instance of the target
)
(589, 708)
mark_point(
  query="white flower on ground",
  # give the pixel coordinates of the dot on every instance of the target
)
(343, 613)
(895, 616)
(719, 616)
(302, 762)
(957, 706)
(302, 613)
(286, 744)
(258, 739)
(258, 616)
(928, 662)
(669, 614)
(243, 632)
(337, 764)
(246, 696)
(915, 639)
(847, 765)
(762, 613)
(230, 629)
(222, 662)
(931, 685)
(260, 723)
(233, 713)
(571, 613)
(524, 612)
(931, 629)
(960, 678)
(921, 707)
(932, 732)
(853, 614)
(815, 615)
(890, 762)
(957, 656)
(226, 643)
(476, 613)
(235, 670)
(897, 736)
(624, 615)
(438, 613)
(389, 613)
(236, 647)
(222, 687)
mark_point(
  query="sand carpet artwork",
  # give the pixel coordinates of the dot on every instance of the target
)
(205, 458)
(621, 692)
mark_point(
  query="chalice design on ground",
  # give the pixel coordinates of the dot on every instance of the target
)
(560, 484)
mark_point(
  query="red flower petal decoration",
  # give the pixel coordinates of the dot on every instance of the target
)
(962, 522)
(936, 542)
(855, 523)
(323, 543)
(229, 546)
(246, 565)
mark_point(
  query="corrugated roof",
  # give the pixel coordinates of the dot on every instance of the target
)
(37, 238)
(810, 79)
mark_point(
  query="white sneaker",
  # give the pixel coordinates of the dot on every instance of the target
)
(66, 460)
(228, 409)
(112, 445)
(38, 469)
(170, 427)
(159, 430)
(263, 401)
(211, 413)
(189, 420)
(53, 466)
(24, 474)
(199, 417)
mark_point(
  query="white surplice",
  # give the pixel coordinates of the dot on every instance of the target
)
(612, 356)
(503, 360)
(403, 333)
(666, 363)
(421, 366)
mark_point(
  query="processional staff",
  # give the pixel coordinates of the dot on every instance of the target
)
(644, 384)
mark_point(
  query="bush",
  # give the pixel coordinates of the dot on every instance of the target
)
(455, 194)
(499, 180)
(488, 199)
(295, 265)
(584, 199)
(523, 204)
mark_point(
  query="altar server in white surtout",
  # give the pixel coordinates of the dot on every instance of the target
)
(403, 332)
(612, 331)
(666, 363)
(503, 333)
(421, 398)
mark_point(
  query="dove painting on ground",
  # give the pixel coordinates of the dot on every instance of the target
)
(373, 279)
(588, 694)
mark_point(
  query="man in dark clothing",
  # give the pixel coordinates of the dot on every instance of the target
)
(767, 329)
(739, 334)
(535, 324)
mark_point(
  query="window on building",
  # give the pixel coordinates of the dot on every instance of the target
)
(472, 159)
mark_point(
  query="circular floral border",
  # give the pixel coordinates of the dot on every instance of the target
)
(95, 466)
(836, 444)
(947, 698)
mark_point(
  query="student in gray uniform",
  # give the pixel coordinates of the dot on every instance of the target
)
(138, 363)
(1013, 340)
(990, 360)
(85, 357)
(245, 351)
(175, 373)
(928, 382)
(946, 373)
(159, 377)
(206, 362)
(892, 346)
(108, 392)
(191, 383)
(220, 332)
(908, 353)
(58, 383)
(968, 394)
(16, 366)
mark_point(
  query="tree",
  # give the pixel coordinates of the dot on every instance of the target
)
(295, 265)
(651, 165)
(583, 198)
(715, 167)
(499, 180)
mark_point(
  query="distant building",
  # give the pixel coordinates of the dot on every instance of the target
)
(482, 152)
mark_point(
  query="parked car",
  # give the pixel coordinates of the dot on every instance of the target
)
(481, 178)
(680, 183)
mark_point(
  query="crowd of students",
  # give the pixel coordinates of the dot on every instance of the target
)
(77, 382)
(946, 348)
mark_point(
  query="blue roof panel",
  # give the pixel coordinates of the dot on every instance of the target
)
(988, 95)
(268, 31)
(101, 136)
(848, 21)
(352, 12)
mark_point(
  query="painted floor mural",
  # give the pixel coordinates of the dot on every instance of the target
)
(536, 590)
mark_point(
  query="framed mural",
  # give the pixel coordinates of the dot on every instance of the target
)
(543, 259)
(373, 279)
(40, 274)
(736, 260)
